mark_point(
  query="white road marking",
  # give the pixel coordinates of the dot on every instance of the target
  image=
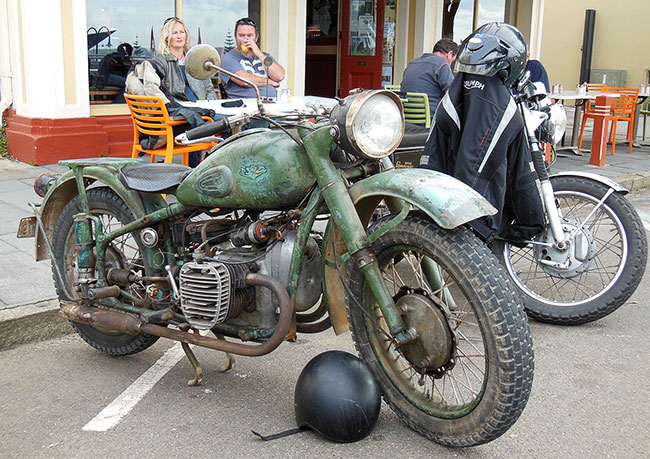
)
(110, 416)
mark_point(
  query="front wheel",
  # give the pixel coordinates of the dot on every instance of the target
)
(600, 269)
(466, 377)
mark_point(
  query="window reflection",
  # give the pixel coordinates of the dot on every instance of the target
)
(135, 24)
(363, 27)
(461, 17)
(215, 21)
(457, 19)
(114, 28)
(491, 11)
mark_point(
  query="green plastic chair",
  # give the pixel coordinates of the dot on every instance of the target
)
(392, 87)
(416, 109)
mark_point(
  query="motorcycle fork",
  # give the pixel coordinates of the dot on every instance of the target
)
(546, 189)
(335, 193)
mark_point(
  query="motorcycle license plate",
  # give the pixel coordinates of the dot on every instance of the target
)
(27, 227)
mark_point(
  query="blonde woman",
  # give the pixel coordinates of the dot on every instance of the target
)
(170, 64)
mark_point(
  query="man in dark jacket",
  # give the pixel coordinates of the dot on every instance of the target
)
(478, 137)
(431, 73)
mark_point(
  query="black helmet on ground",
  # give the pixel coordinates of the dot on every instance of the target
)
(495, 48)
(338, 397)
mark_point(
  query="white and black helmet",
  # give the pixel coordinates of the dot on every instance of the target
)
(495, 48)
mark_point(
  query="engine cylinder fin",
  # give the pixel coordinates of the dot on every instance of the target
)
(205, 293)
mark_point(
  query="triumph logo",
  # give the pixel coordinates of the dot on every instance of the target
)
(473, 84)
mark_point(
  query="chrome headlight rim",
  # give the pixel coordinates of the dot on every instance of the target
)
(553, 129)
(345, 114)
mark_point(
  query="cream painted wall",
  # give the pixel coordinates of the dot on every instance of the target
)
(284, 37)
(620, 40)
(38, 65)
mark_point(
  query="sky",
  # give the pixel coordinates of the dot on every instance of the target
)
(134, 18)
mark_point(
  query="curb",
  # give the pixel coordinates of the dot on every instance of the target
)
(36, 322)
(634, 182)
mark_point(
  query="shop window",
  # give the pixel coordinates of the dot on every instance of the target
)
(363, 27)
(116, 28)
(388, 59)
(461, 17)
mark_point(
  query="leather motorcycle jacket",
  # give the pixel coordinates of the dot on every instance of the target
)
(172, 78)
(478, 137)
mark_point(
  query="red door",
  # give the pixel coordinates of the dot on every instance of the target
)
(362, 38)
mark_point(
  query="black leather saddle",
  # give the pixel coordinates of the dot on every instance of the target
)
(154, 178)
(414, 137)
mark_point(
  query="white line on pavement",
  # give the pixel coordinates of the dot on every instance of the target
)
(111, 415)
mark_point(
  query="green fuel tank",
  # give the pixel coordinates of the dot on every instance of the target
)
(256, 169)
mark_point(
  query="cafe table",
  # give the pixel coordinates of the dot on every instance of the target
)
(297, 105)
(580, 99)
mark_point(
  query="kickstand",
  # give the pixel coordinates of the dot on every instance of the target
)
(195, 364)
(231, 358)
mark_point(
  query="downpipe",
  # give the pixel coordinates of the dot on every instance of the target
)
(127, 323)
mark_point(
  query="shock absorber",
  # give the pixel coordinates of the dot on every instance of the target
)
(85, 255)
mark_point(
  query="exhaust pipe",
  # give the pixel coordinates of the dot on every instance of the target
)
(126, 323)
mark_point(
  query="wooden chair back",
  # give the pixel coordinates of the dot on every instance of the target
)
(416, 109)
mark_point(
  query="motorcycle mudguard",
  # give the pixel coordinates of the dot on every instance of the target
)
(596, 178)
(446, 200)
(66, 189)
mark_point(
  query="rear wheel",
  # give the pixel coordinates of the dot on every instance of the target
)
(124, 253)
(467, 376)
(598, 272)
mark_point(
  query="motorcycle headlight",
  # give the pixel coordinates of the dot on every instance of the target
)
(370, 123)
(552, 130)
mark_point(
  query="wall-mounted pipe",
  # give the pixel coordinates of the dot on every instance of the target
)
(587, 46)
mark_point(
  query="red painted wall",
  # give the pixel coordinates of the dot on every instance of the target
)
(43, 141)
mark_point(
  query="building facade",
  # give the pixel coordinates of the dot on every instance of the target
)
(50, 51)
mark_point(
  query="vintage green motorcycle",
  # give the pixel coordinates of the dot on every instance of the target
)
(233, 247)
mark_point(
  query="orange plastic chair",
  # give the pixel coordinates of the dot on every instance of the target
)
(150, 116)
(621, 109)
(593, 87)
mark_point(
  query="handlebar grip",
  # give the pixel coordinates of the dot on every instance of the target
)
(208, 129)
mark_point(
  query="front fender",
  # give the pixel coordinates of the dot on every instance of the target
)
(448, 201)
(65, 189)
(595, 177)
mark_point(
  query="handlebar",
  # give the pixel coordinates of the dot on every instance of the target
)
(208, 129)
(205, 132)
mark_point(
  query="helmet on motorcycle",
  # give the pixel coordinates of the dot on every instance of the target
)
(338, 397)
(495, 48)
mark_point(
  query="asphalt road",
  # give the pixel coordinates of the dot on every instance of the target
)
(589, 399)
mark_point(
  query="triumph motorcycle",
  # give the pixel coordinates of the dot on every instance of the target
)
(233, 248)
(592, 253)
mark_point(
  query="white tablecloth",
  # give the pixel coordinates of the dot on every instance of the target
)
(297, 105)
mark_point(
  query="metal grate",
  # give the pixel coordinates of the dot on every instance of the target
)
(205, 293)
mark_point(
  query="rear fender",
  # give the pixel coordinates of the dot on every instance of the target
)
(65, 189)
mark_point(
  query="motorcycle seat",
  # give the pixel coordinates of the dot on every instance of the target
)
(153, 178)
(414, 137)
